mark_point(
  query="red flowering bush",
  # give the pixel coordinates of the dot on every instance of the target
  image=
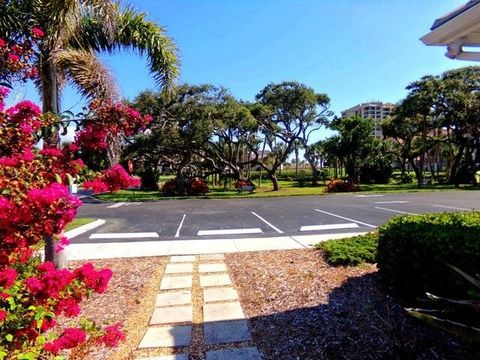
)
(17, 57)
(339, 185)
(108, 120)
(196, 186)
(243, 183)
(113, 179)
(34, 206)
(170, 188)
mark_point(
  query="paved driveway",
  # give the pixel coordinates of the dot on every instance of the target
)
(268, 217)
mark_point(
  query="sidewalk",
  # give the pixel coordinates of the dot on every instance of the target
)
(194, 246)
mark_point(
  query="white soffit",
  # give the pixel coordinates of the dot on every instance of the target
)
(465, 26)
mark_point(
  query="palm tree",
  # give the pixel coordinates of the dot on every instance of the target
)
(75, 32)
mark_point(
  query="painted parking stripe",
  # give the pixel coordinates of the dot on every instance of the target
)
(132, 203)
(450, 207)
(368, 196)
(230, 231)
(345, 218)
(266, 222)
(392, 202)
(116, 205)
(177, 234)
(329, 227)
(395, 211)
(124, 235)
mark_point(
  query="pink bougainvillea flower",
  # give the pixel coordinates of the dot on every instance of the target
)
(37, 32)
(113, 336)
(7, 277)
(13, 58)
(3, 315)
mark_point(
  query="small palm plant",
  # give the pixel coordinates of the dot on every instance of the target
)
(458, 317)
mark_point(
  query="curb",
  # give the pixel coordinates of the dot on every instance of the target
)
(111, 250)
(84, 228)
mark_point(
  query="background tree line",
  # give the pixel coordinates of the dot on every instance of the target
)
(200, 130)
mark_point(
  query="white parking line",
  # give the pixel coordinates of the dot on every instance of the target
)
(230, 232)
(368, 196)
(116, 205)
(124, 235)
(395, 211)
(329, 227)
(266, 222)
(133, 203)
(177, 234)
(450, 207)
(345, 218)
(392, 202)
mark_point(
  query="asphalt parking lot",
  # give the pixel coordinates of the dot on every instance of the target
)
(262, 217)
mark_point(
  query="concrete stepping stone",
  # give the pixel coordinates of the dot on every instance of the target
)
(172, 315)
(250, 353)
(176, 282)
(174, 298)
(178, 268)
(219, 294)
(166, 336)
(167, 357)
(215, 280)
(182, 258)
(212, 268)
(222, 332)
(212, 257)
(222, 311)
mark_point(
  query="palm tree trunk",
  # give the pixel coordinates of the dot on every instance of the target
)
(50, 98)
(50, 105)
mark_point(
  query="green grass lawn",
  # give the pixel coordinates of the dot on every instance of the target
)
(79, 222)
(413, 187)
(287, 188)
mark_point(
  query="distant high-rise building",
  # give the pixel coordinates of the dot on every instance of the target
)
(375, 110)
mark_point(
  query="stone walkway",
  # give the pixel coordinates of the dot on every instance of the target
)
(197, 314)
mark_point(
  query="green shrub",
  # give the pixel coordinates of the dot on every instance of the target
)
(351, 251)
(413, 252)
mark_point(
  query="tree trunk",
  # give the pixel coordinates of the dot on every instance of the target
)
(296, 163)
(114, 150)
(418, 173)
(181, 188)
(456, 163)
(274, 180)
(50, 105)
(59, 259)
(50, 99)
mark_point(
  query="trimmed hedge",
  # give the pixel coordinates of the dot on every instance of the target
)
(351, 251)
(413, 251)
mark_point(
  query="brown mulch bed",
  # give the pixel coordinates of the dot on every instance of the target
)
(129, 299)
(299, 307)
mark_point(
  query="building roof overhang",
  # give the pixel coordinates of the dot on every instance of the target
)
(457, 29)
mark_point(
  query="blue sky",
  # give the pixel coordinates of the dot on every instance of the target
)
(353, 50)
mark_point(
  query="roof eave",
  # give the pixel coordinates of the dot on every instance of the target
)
(454, 29)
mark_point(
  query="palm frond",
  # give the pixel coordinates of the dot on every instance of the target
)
(87, 73)
(61, 18)
(134, 31)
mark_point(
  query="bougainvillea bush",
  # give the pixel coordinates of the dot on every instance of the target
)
(108, 120)
(339, 185)
(113, 179)
(17, 57)
(196, 186)
(36, 205)
(170, 187)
